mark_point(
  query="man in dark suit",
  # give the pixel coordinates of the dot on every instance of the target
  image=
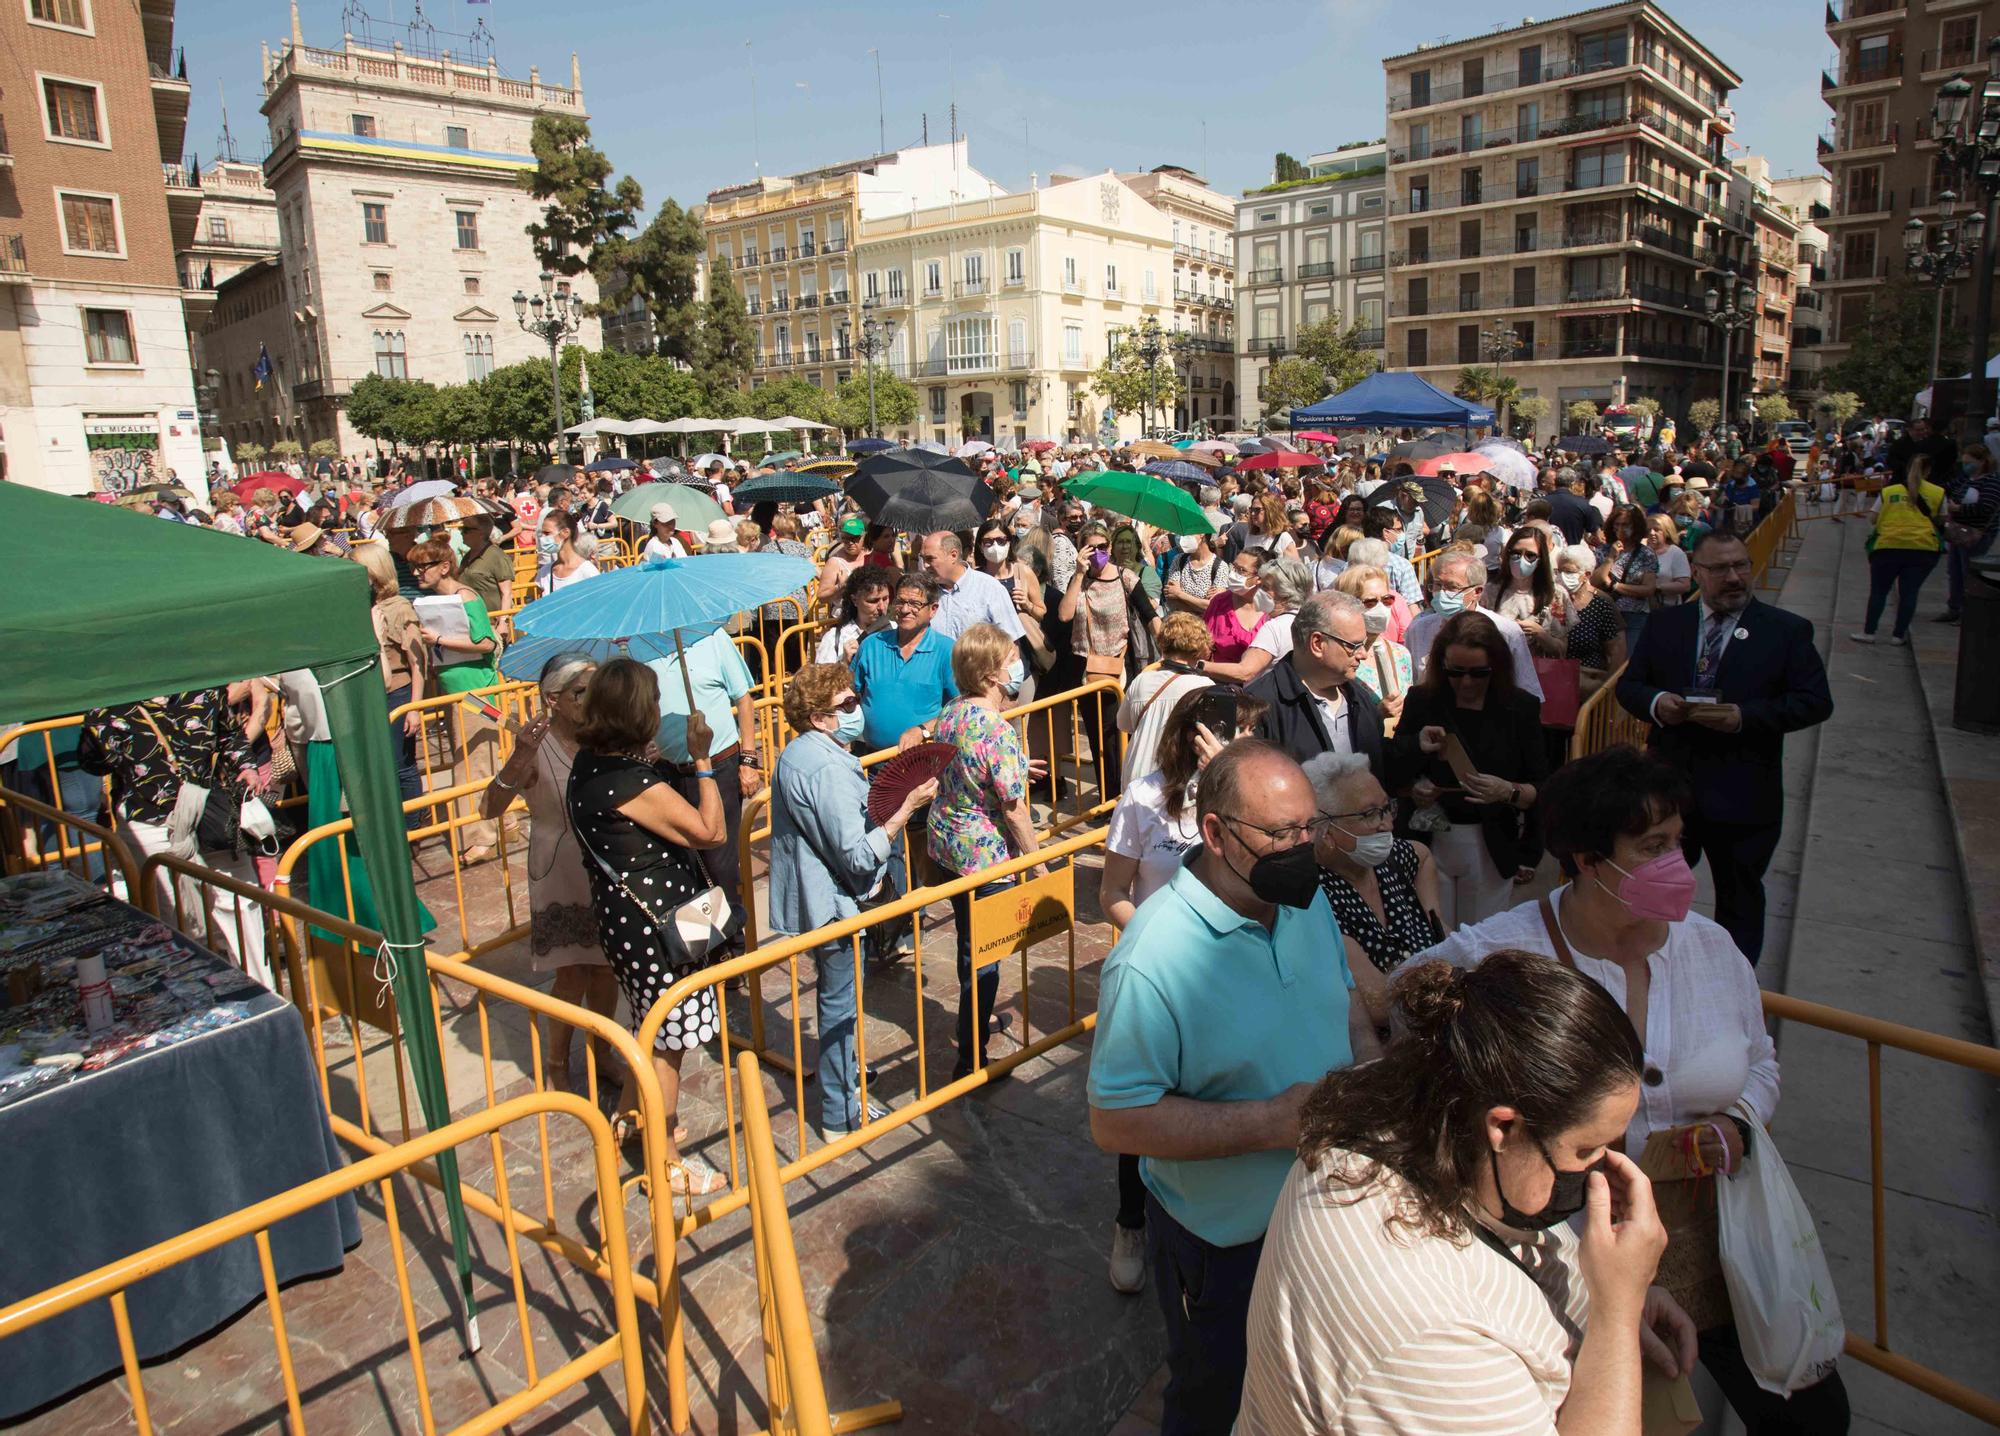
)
(1313, 703)
(1723, 681)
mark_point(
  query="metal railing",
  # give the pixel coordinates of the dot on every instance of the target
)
(620, 1346)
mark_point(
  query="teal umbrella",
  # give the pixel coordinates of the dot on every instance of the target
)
(1143, 497)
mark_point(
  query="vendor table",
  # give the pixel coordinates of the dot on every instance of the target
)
(200, 1099)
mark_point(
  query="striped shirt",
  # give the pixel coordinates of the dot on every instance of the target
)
(1359, 1328)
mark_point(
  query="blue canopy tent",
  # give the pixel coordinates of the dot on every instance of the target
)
(1393, 401)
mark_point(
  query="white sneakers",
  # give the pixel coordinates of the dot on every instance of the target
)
(1128, 1258)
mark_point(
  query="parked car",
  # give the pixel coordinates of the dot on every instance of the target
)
(1797, 434)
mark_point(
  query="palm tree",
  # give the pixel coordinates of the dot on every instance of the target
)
(1474, 382)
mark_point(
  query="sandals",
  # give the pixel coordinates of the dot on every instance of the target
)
(696, 1179)
(625, 1129)
(483, 853)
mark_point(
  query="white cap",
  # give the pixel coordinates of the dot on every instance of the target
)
(721, 534)
(664, 514)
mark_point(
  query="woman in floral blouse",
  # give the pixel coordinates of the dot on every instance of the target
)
(980, 817)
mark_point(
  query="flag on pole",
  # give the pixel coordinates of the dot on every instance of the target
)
(262, 371)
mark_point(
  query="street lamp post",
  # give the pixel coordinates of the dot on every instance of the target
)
(874, 340)
(1729, 312)
(1150, 347)
(1180, 347)
(1968, 137)
(1943, 262)
(556, 316)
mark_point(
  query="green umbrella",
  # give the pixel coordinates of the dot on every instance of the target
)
(1142, 497)
(694, 509)
(784, 456)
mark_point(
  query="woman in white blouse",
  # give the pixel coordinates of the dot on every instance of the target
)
(1676, 573)
(1420, 1273)
(1614, 822)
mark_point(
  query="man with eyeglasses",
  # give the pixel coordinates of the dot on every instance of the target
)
(1225, 999)
(1314, 704)
(1458, 585)
(1722, 682)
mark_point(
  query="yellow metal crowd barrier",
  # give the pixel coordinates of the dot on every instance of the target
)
(620, 1347)
(77, 841)
(793, 1390)
(1876, 1034)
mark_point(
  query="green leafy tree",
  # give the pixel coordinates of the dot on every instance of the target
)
(1474, 382)
(659, 267)
(1837, 407)
(415, 419)
(1647, 407)
(288, 450)
(895, 401)
(1774, 409)
(1531, 410)
(460, 416)
(371, 407)
(1128, 384)
(517, 401)
(1580, 415)
(325, 449)
(585, 213)
(795, 395)
(1338, 352)
(1887, 371)
(727, 345)
(248, 455)
(1705, 414)
(1292, 384)
(1285, 168)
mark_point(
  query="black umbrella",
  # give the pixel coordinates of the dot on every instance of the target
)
(1431, 446)
(785, 489)
(1439, 499)
(917, 492)
(555, 474)
(671, 470)
(1584, 444)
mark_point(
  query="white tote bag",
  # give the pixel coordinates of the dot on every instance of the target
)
(1787, 1313)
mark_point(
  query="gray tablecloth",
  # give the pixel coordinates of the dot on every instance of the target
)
(146, 1149)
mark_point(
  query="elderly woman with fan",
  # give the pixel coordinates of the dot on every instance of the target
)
(829, 857)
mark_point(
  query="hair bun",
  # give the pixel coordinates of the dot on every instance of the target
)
(1430, 996)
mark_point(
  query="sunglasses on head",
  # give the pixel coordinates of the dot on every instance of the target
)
(1484, 670)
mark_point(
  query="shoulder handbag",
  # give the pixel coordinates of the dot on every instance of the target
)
(1140, 649)
(218, 827)
(705, 923)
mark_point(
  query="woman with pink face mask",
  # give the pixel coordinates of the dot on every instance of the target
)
(1624, 919)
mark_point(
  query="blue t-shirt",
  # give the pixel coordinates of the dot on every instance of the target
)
(898, 693)
(1198, 1001)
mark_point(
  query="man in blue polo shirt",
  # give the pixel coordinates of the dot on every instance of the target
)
(902, 674)
(1223, 1004)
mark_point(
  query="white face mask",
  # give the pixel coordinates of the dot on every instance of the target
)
(1371, 849)
(1571, 580)
(1237, 582)
(1265, 603)
(995, 552)
(1525, 565)
(1190, 542)
(1377, 620)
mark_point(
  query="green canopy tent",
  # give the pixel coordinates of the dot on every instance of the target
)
(108, 606)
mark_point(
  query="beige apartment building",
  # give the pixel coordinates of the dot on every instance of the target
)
(95, 391)
(1776, 251)
(1001, 308)
(403, 231)
(1878, 149)
(1204, 286)
(788, 240)
(1805, 198)
(1310, 251)
(1558, 203)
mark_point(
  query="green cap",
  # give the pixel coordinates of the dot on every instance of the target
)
(854, 525)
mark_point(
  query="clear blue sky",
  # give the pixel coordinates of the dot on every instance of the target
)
(1041, 85)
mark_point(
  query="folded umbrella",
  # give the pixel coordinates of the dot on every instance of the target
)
(792, 488)
(916, 491)
(1149, 499)
(693, 509)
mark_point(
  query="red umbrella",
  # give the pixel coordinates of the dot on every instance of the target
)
(1318, 436)
(283, 483)
(1463, 463)
(1282, 459)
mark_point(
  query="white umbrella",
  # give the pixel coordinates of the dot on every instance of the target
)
(972, 448)
(1509, 465)
(702, 461)
(639, 428)
(751, 426)
(792, 421)
(693, 425)
(590, 429)
(930, 446)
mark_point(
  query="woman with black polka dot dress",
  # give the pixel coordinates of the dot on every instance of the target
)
(639, 835)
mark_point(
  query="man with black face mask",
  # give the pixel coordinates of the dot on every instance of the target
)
(1225, 1000)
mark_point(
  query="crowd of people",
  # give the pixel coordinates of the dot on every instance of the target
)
(1360, 1084)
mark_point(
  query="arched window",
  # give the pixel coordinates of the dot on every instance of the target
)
(391, 360)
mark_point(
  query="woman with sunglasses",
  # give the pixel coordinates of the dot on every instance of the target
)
(827, 859)
(563, 926)
(1382, 888)
(1491, 836)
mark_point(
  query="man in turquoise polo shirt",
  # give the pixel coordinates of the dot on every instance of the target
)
(902, 674)
(1223, 1004)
